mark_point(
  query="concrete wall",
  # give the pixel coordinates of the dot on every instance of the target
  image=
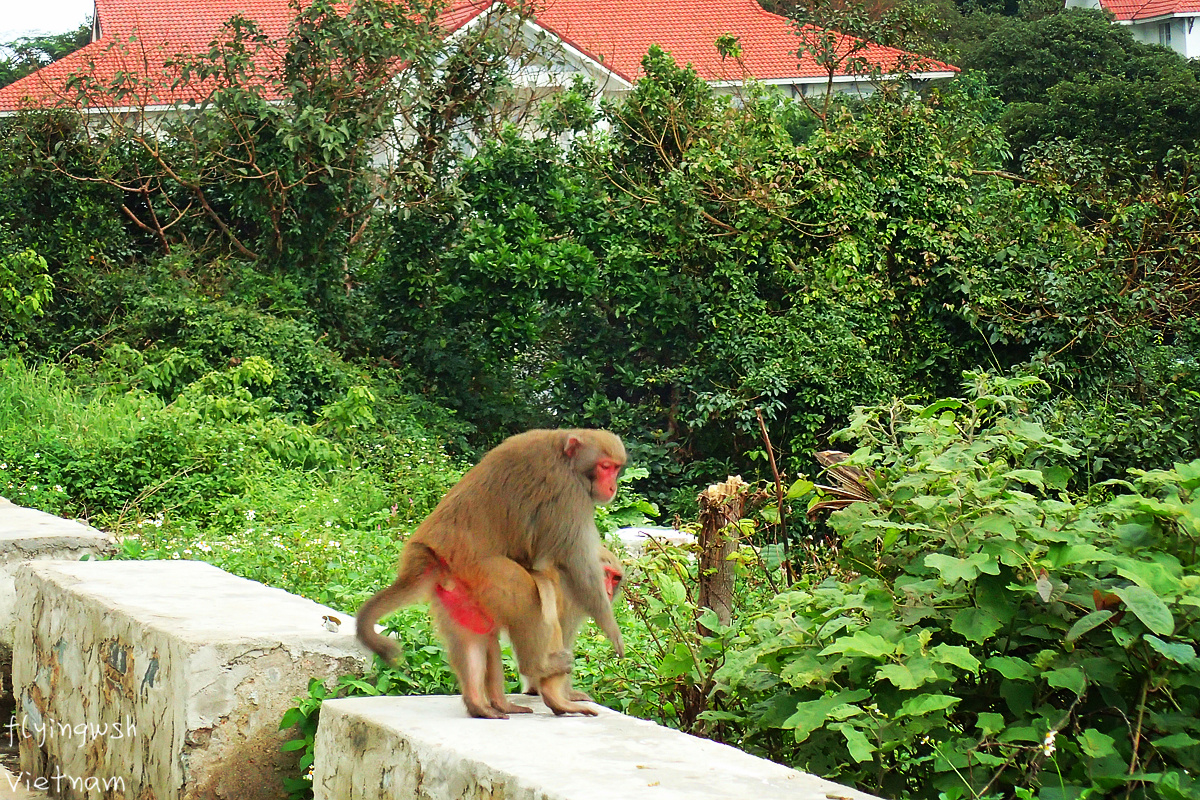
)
(27, 534)
(164, 679)
(159, 680)
(426, 748)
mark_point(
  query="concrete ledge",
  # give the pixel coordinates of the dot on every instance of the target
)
(404, 748)
(25, 534)
(164, 679)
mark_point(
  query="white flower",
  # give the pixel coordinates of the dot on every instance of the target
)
(249, 514)
(1048, 743)
(58, 488)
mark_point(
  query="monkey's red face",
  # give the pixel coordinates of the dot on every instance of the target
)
(612, 580)
(604, 480)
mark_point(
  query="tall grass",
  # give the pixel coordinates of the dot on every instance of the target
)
(222, 480)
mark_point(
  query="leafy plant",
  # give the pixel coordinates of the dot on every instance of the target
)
(25, 287)
(985, 631)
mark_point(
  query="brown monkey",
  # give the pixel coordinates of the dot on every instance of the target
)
(529, 501)
(461, 619)
(570, 615)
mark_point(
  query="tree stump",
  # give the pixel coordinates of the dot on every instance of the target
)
(721, 507)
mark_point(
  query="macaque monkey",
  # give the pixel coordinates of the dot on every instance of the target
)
(527, 505)
(570, 615)
(459, 617)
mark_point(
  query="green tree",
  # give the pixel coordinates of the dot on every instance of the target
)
(695, 265)
(305, 188)
(30, 53)
(984, 632)
(1077, 76)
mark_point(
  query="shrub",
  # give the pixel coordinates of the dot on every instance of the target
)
(987, 633)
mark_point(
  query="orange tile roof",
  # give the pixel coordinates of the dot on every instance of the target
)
(619, 32)
(1132, 10)
(141, 36)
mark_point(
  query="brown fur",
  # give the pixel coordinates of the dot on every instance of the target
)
(530, 501)
(570, 616)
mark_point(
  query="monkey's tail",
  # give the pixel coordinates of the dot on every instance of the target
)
(419, 567)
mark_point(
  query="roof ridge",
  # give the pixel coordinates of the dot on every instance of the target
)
(614, 35)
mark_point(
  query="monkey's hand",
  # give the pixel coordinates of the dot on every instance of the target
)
(608, 624)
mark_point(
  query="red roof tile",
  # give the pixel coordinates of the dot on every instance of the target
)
(140, 36)
(1131, 10)
(619, 32)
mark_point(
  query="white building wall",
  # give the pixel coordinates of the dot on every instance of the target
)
(1181, 34)
(1190, 27)
(1184, 29)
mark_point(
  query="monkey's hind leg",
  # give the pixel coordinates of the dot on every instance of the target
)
(495, 682)
(468, 654)
(555, 684)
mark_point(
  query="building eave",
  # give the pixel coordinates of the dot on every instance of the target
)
(811, 80)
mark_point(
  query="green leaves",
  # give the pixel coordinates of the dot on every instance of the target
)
(1087, 623)
(1179, 652)
(997, 628)
(962, 569)
(813, 714)
(25, 285)
(1147, 606)
(861, 643)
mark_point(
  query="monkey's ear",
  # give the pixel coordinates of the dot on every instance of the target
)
(572, 446)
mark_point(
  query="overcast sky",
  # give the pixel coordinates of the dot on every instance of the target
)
(34, 17)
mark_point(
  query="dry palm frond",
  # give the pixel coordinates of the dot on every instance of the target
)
(853, 484)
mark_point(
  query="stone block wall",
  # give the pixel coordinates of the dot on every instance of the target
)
(427, 748)
(164, 680)
(28, 534)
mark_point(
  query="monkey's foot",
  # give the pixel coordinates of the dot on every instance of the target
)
(484, 711)
(555, 691)
(573, 694)
(570, 708)
(508, 707)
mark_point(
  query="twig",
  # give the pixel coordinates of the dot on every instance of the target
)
(787, 562)
(1137, 735)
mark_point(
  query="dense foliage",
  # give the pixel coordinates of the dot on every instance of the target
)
(271, 335)
(1077, 76)
(986, 630)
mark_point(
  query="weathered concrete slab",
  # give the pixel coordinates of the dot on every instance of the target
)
(13, 787)
(404, 748)
(164, 679)
(640, 539)
(25, 534)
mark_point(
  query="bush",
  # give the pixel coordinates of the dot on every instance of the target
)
(217, 475)
(987, 633)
